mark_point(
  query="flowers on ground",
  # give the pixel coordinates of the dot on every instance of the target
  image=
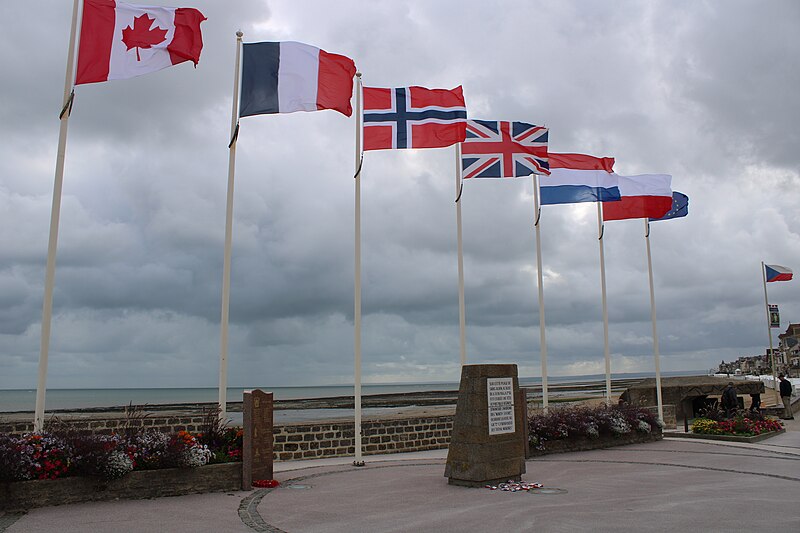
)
(225, 444)
(33, 457)
(744, 424)
(117, 464)
(192, 453)
(65, 453)
(590, 422)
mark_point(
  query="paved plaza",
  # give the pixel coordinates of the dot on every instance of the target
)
(673, 484)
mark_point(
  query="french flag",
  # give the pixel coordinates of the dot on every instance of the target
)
(578, 178)
(284, 77)
(777, 273)
(643, 196)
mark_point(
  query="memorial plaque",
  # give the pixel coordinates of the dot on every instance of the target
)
(257, 445)
(487, 443)
(501, 405)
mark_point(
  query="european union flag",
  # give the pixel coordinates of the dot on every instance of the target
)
(680, 207)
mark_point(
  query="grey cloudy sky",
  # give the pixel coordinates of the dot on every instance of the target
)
(705, 91)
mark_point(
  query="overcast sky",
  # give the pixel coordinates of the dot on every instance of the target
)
(704, 91)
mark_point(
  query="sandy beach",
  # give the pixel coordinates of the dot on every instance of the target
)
(402, 405)
(392, 405)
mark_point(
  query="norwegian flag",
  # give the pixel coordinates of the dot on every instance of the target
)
(502, 149)
(413, 117)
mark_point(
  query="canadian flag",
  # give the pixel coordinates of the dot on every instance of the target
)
(121, 41)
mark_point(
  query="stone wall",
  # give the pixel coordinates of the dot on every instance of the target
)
(301, 440)
(138, 484)
(337, 438)
(670, 420)
(106, 425)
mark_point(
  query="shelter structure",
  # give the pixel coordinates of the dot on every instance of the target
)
(689, 394)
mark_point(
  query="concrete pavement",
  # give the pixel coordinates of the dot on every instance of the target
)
(675, 484)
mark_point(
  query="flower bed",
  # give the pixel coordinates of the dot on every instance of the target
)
(35, 467)
(50, 456)
(61, 451)
(580, 428)
(743, 424)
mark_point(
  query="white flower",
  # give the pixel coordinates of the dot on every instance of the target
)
(117, 465)
(197, 456)
(618, 424)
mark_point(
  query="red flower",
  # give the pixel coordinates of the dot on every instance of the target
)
(266, 483)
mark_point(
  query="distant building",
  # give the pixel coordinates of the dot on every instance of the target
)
(787, 357)
(746, 365)
(789, 345)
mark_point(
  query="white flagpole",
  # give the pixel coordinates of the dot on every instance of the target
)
(537, 209)
(55, 215)
(656, 354)
(605, 305)
(357, 285)
(226, 268)
(462, 321)
(769, 331)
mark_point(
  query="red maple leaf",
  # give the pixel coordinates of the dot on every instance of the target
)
(141, 35)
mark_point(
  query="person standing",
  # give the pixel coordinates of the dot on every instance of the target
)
(755, 402)
(786, 397)
(730, 402)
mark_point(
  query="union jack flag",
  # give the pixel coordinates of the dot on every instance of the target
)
(502, 149)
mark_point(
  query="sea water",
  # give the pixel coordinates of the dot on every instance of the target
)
(16, 400)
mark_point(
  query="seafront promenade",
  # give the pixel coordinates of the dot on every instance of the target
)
(673, 484)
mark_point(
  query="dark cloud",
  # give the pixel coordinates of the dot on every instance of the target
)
(703, 91)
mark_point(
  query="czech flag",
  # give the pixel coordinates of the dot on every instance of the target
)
(777, 273)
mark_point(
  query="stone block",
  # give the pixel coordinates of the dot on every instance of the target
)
(478, 454)
(257, 449)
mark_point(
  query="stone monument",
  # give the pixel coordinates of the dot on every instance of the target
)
(487, 444)
(257, 442)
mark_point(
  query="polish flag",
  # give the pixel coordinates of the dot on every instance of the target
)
(284, 77)
(642, 196)
(120, 41)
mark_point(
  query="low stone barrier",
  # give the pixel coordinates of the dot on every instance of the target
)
(105, 425)
(728, 438)
(582, 444)
(337, 438)
(313, 440)
(139, 484)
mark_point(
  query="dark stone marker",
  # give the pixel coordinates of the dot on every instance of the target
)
(257, 443)
(487, 444)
